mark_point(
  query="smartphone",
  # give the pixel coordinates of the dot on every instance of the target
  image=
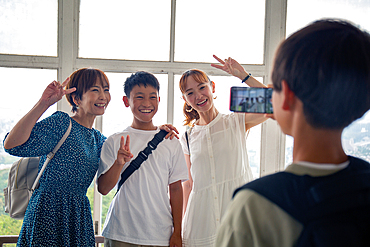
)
(251, 99)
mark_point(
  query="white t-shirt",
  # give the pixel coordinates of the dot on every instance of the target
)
(140, 213)
(219, 165)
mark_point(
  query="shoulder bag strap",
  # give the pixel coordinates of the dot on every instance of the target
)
(187, 136)
(51, 155)
(141, 157)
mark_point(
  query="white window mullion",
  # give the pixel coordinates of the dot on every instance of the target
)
(67, 43)
(272, 139)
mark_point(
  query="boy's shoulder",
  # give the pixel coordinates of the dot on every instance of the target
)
(142, 137)
(118, 134)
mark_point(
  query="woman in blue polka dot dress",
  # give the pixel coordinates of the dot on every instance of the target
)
(59, 213)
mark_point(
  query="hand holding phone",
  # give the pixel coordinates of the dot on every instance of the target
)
(251, 99)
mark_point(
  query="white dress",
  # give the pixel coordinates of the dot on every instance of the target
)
(219, 161)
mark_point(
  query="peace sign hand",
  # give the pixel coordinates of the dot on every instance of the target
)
(124, 154)
(55, 91)
(230, 66)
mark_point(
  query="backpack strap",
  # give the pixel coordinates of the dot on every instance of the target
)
(51, 155)
(141, 157)
(307, 198)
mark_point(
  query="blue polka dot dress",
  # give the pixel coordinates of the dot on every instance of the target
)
(59, 213)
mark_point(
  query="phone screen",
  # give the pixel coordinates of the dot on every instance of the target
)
(251, 99)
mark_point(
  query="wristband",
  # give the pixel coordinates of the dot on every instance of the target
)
(247, 77)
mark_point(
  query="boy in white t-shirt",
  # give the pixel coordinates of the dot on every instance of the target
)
(142, 213)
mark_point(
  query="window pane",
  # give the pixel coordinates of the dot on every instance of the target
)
(234, 28)
(288, 150)
(131, 30)
(223, 85)
(355, 138)
(301, 13)
(21, 89)
(29, 27)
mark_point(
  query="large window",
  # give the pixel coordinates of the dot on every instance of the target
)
(45, 40)
(234, 28)
(355, 138)
(29, 27)
(131, 30)
(20, 90)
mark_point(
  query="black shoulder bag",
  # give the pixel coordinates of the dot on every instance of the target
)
(141, 157)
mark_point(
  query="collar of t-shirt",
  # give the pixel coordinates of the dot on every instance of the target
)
(323, 166)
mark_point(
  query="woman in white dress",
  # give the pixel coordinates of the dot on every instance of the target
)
(215, 152)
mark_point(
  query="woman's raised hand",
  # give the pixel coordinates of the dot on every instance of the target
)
(230, 66)
(55, 91)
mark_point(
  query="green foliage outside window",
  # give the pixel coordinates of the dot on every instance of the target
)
(9, 226)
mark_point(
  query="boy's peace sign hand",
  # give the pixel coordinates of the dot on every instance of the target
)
(55, 91)
(124, 154)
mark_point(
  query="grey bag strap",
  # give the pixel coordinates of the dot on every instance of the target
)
(51, 155)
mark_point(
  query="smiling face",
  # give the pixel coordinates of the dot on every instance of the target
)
(95, 99)
(143, 102)
(199, 95)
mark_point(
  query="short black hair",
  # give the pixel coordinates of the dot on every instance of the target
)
(327, 66)
(140, 78)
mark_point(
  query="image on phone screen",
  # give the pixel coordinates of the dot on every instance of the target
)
(251, 99)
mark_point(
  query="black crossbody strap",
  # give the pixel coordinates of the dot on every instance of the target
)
(187, 136)
(141, 157)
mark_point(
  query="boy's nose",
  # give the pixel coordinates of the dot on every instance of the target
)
(146, 102)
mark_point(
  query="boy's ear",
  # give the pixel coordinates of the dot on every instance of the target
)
(125, 101)
(159, 99)
(213, 87)
(289, 96)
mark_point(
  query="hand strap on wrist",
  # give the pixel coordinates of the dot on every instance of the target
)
(247, 77)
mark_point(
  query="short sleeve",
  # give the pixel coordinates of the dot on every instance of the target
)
(44, 136)
(101, 139)
(179, 169)
(107, 157)
(184, 144)
(253, 220)
(235, 229)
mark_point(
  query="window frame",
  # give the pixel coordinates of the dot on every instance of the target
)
(67, 61)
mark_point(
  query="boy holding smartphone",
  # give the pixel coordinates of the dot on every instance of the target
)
(321, 80)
